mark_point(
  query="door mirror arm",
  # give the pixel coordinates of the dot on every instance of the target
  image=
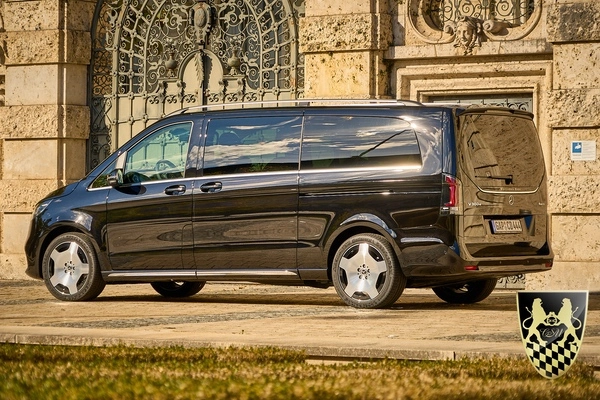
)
(115, 177)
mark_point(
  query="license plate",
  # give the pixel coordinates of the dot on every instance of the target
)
(506, 226)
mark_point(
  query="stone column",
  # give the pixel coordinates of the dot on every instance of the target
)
(344, 43)
(574, 115)
(45, 120)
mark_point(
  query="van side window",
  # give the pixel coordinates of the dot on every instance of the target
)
(254, 144)
(160, 155)
(349, 141)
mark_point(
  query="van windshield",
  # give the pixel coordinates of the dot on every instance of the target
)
(501, 151)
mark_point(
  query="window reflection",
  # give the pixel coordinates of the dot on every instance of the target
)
(345, 142)
(245, 145)
(161, 155)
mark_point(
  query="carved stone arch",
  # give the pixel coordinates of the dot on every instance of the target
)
(152, 57)
(435, 21)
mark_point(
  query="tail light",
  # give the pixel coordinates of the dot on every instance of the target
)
(450, 194)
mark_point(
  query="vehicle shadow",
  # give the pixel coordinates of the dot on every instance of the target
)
(242, 299)
(408, 302)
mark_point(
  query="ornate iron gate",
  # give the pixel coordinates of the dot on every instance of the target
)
(152, 57)
(518, 101)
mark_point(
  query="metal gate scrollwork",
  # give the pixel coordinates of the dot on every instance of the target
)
(152, 57)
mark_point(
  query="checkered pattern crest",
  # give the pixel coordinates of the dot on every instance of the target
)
(552, 326)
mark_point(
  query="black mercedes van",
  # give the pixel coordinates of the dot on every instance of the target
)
(370, 197)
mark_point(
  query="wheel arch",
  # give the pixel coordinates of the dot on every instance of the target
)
(60, 230)
(356, 225)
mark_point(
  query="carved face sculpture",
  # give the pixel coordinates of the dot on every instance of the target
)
(465, 32)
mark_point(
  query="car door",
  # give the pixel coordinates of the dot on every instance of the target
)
(245, 203)
(149, 213)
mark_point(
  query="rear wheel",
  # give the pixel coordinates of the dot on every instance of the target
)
(466, 293)
(70, 268)
(365, 272)
(177, 289)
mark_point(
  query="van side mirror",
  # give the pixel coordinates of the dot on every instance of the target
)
(115, 177)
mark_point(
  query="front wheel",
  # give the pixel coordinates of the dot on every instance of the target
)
(70, 268)
(365, 272)
(177, 289)
(466, 293)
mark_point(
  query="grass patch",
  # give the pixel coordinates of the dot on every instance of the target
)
(62, 372)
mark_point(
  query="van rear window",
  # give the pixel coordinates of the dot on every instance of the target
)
(350, 142)
(501, 152)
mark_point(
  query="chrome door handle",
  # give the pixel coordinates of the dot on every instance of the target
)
(175, 190)
(211, 187)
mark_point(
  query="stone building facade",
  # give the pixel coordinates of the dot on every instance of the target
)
(538, 54)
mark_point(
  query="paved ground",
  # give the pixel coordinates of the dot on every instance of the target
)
(419, 326)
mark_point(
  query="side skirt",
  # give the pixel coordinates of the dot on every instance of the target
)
(285, 276)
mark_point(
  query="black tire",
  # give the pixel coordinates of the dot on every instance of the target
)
(466, 293)
(70, 268)
(366, 273)
(177, 289)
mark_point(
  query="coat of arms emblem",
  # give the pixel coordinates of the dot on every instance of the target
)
(552, 326)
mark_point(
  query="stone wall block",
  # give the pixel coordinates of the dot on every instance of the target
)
(338, 33)
(567, 276)
(21, 196)
(78, 47)
(77, 121)
(561, 152)
(576, 66)
(12, 266)
(325, 76)
(81, 13)
(15, 230)
(31, 15)
(63, 159)
(23, 160)
(33, 47)
(336, 7)
(49, 46)
(574, 108)
(577, 22)
(575, 237)
(73, 159)
(47, 14)
(44, 121)
(573, 194)
(29, 121)
(384, 31)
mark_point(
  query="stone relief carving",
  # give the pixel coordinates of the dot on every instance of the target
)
(200, 17)
(467, 33)
(469, 23)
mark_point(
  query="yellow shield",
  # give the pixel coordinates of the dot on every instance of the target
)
(552, 325)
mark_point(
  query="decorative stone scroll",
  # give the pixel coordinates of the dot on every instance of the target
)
(469, 23)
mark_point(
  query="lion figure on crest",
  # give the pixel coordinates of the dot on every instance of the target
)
(538, 314)
(565, 316)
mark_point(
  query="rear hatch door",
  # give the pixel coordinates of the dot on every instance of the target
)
(503, 184)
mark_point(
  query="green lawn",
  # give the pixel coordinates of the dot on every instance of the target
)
(59, 372)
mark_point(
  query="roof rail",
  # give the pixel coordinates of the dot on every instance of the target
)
(298, 103)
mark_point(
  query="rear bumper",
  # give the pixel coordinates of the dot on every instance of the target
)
(439, 264)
